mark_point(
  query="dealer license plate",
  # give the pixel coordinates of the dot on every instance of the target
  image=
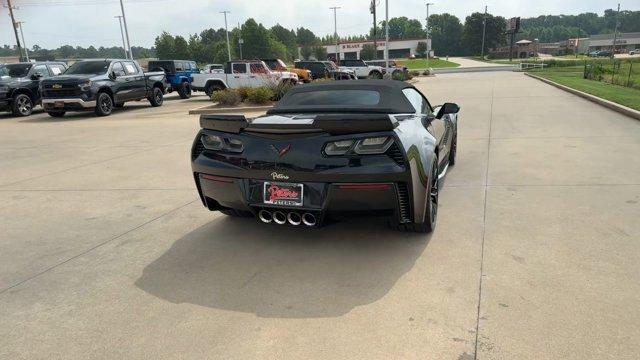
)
(283, 194)
(59, 104)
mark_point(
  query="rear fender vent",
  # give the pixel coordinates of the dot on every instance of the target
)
(396, 154)
(197, 149)
(404, 207)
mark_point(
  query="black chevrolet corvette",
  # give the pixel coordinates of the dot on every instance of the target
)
(330, 150)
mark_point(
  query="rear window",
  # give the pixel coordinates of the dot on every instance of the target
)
(335, 97)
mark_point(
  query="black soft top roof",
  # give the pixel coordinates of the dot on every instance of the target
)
(392, 100)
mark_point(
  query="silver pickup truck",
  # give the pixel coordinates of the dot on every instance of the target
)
(251, 73)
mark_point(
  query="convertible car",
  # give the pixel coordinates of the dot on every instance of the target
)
(330, 150)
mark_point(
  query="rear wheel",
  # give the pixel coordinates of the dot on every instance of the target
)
(104, 104)
(375, 75)
(22, 105)
(156, 97)
(56, 113)
(184, 90)
(236, 213)
(431, 207)
(211, 88)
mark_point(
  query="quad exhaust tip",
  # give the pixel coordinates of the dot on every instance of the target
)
(279, 217)
(309, 219)
(294, 218)
(265, 216)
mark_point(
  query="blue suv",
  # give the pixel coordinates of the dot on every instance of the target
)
(178, 74)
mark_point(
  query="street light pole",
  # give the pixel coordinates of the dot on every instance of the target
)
(372, 9)
(428, 45)
(124, 45)
(386, 34)
(484, 31)
(26, 51)
(615, 34)
(227, 31)
(13, 23)
(335, 29)
(126, 30)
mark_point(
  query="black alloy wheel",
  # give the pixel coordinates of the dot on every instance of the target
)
(104, 104)
(184, 90)
(157, 97)
(22, 105)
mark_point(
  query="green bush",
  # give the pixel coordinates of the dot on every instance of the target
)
(243, 91)
(260, 95)
(227, 97)
(414, 73)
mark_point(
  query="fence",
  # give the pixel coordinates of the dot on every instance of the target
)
(617, 71)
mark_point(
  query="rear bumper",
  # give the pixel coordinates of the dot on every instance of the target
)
(332, 199)
(68, 104)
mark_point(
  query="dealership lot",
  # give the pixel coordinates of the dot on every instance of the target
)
(106, 251)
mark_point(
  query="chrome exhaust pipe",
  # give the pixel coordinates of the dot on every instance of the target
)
(279, 217)
(265, 216)
(309, 219)
(294, 218)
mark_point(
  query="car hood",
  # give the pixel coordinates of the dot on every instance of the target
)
(68, 79)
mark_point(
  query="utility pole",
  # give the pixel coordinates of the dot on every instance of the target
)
(24, 44)
(126, 30)
(386, 34)
(484, 31)
(335, 29)
(13, 23)
(615, 33)
(227, 30)
(240, 41)
(428, 45)
(372, 9)
(124, 45)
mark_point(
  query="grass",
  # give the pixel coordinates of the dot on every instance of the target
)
(412, 64)
(572, 76)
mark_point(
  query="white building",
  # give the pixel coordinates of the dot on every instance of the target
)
(397, 49)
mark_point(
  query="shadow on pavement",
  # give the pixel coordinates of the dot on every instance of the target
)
(282, 272)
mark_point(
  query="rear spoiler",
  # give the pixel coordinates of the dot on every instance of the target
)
(334, 124)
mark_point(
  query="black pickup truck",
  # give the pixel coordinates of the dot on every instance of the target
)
(19, 85)
(101, 85)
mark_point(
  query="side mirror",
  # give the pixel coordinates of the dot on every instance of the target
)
(448, 108)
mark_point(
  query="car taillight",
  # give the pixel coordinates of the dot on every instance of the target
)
(366, 146)
(218, 143)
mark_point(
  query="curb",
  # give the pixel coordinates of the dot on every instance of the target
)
(213, 109)
(600, 101)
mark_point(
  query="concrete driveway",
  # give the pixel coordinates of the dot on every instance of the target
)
(106, 252)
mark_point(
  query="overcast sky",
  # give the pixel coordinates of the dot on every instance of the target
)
(52, 23)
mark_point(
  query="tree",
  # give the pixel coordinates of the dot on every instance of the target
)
(305, 52)
(287, 38)
(368, 52)
(180, 48)
(472, 33)
(401, 28)
(445, 34)
(421, 49)
(320, 52)
(165, 46)
(256, 40)
(306, 37)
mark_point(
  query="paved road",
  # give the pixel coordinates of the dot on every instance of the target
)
(105, 251)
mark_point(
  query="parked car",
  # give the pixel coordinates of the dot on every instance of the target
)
(600, 53)
(304, 75)
(101, 85)
(240, 73)
(363, 71)
(398, 72)
(325, 70)
(213, 68)
(634, 52)
(178, 73)
(19, 85)
(371, 147)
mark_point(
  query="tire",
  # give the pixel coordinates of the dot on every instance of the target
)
(119, 105)
(454, 149)
(431, 207)
(236, 213)
(56, 113)
(211, 88)
(184, 90)
(104, 104)
(157, 97)
(22, 105)
(375, 75)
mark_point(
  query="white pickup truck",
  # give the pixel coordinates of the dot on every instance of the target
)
(363, 71)
(251, 73)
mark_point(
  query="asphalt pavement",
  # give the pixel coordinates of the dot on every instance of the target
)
(107, 253)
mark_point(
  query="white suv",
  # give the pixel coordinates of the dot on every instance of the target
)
(362, 69)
